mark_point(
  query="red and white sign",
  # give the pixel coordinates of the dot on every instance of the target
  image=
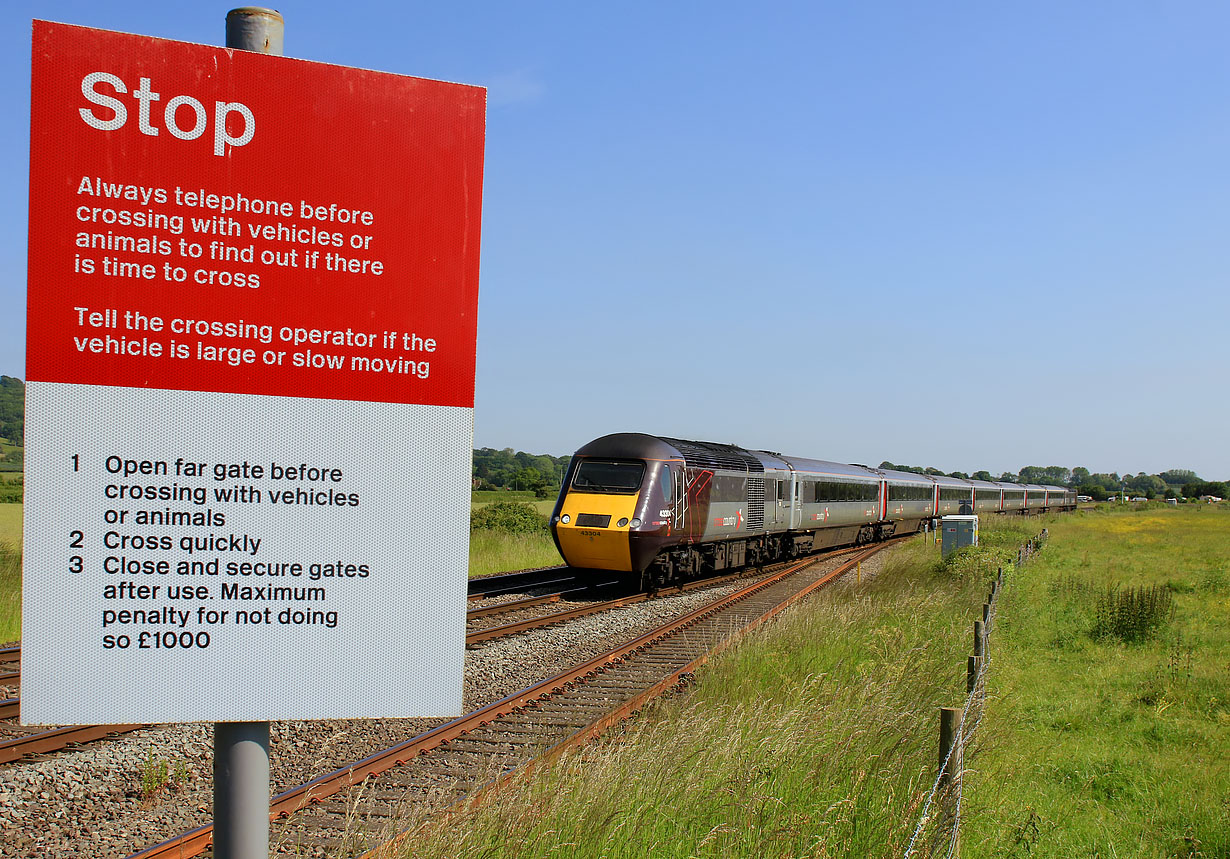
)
(253, 287)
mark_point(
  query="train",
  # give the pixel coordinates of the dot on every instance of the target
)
(669, 510)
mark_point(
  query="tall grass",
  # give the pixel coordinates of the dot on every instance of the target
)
(815, 738)
(10, 592)
(500, 551)
(10, 572)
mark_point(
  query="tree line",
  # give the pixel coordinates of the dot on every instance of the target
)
(519, 471)
(1174, 483)
(12, 422)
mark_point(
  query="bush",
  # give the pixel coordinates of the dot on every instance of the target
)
(509, 516)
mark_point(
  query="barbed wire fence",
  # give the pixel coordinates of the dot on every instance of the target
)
(939, 824)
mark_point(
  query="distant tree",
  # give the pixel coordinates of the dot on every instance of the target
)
(1080, 476)
(1195, 490)
(1179, 476)
(983, 475)
(1008, 477)
(933, 471)
(959, 474)
(1109, 482)
(913, 469)
(1094, 490)
(1055, 475)
(504, 469)
(1148, 485)
(1031, 474)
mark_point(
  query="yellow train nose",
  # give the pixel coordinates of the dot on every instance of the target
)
(589, 532)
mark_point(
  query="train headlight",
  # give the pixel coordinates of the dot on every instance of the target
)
(636, 523)
(565, 518)
(621, 523)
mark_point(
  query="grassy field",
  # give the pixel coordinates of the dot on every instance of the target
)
(817, 737)
(1111, 744)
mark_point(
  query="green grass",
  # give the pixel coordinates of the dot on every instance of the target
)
(10, 592)
(1104, 744)
(10, 572)
(498, 552)
(10, 524)
(814, 738)
(817, 736)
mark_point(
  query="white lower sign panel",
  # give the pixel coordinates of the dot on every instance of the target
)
(243, 557)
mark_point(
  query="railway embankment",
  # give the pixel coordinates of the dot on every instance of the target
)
(818, 736)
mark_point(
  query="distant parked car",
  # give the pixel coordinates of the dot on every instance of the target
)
(1139, 498)
(1084, 499)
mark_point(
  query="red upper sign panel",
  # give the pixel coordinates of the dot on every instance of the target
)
(217, 220)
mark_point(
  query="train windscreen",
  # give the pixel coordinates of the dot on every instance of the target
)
(618, 477)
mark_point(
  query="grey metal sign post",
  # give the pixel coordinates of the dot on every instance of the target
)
(241, 749)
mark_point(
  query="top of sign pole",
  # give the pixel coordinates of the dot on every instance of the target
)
(255, 28)
(255, 203)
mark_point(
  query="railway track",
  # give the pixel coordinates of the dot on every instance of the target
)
(359, 804)
(522, 581)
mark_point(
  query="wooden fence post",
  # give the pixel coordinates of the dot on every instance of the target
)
(972, 666)
(950, 738)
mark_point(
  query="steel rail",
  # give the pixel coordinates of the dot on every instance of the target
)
(506, 607)
(508, 583)
(285, 804)
(58, 738)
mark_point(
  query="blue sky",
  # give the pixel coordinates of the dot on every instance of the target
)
(848, 231)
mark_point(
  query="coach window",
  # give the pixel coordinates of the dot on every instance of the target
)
(666, 482)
